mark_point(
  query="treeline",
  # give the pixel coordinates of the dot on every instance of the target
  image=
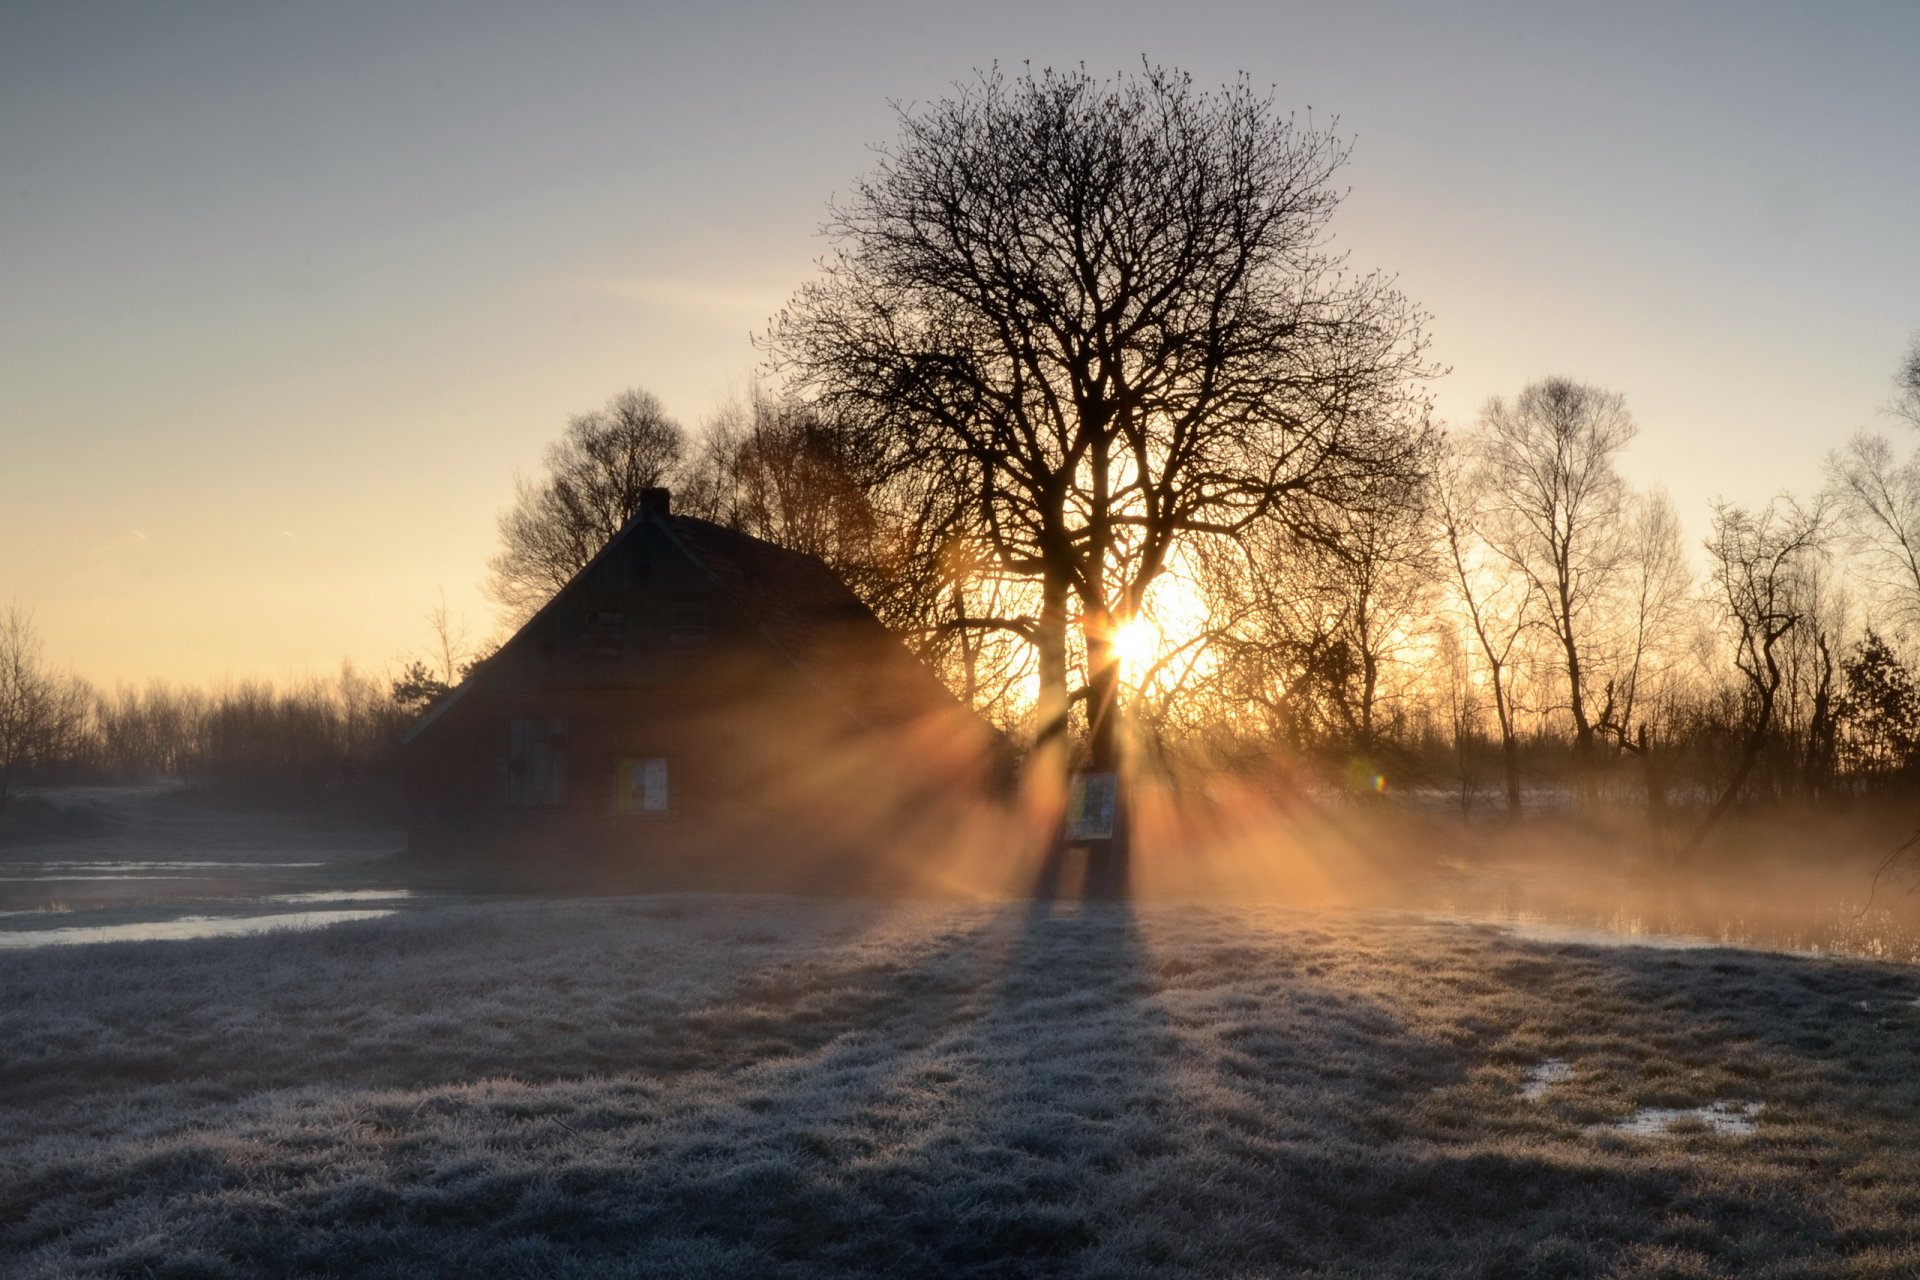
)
(309, 739)
(309, 736)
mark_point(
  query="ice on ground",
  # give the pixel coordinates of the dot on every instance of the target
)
(181, 928)
(1728, 1118)
(132, 870)
(1543, 1076)
(342, 895)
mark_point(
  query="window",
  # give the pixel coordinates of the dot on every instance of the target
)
(536, 763)
(642, 785)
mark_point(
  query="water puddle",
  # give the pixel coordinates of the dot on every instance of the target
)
(1531, 928)
(1813, 932)
(25, 872)
(342, 895)
(1726, 1119)
(181, 928)
(1543, 1076)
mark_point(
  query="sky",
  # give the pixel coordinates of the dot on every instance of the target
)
(290, 293)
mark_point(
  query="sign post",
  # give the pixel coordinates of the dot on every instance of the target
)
(1096, 821)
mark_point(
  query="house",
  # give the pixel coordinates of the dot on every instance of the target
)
(695, 706)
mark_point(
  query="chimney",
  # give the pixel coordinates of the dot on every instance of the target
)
(658, 501)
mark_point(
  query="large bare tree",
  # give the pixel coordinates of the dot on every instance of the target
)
(1558, 517)
(596, 473)
(1105, 312)
(1766, 569)
(1497, 608)
(1877, 493)
(793, 474)
(1878, 496)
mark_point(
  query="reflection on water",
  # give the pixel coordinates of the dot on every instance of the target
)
(1632, 916)
(117, 870)
(1536, 928)
(181, 928)
(342, 895)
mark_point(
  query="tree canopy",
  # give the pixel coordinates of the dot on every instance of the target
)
(1106, 312)
(596, 473)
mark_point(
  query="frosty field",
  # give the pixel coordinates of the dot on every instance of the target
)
(708, 1085)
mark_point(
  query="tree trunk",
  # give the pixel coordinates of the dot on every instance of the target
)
(1103, 698)
(1510, 761)
(1749, 757)
(1820, 729)
(969, 651)
(1656, 793)
(1107, 866)
(1509, 747)
(1369, 687)
(1050, 711)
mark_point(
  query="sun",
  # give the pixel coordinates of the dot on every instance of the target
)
(1136, 643)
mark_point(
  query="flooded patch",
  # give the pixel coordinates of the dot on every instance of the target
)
(1539, 910)
(182, 928)
(25, 872)
(1544, 1076)
(342, 895)
(1728, 1119)
(1623, 932)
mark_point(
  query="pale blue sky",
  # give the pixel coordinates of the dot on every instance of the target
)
(291, 291)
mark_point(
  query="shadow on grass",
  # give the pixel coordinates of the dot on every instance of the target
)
(1059, 1087)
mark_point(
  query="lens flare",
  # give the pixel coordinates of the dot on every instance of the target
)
(1137, 643)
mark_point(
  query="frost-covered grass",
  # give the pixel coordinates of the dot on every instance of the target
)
(699, 1086)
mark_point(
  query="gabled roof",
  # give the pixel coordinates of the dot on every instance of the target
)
(799, 605)
(812, 617)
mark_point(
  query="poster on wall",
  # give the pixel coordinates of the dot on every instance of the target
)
(641, 786)
(1092, 801)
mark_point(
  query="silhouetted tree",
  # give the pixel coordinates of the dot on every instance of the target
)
(1557, 513)
(1907, 385)
(43, 712)
(1104, 313)
(1498, 608)
(1654, 592)
(450, 656)
(1878, 712)
(1765, 569)
(792, 474)
(596, 473)
(418, 687)
(1878, 496)
(148, 733)
(1327, 607)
